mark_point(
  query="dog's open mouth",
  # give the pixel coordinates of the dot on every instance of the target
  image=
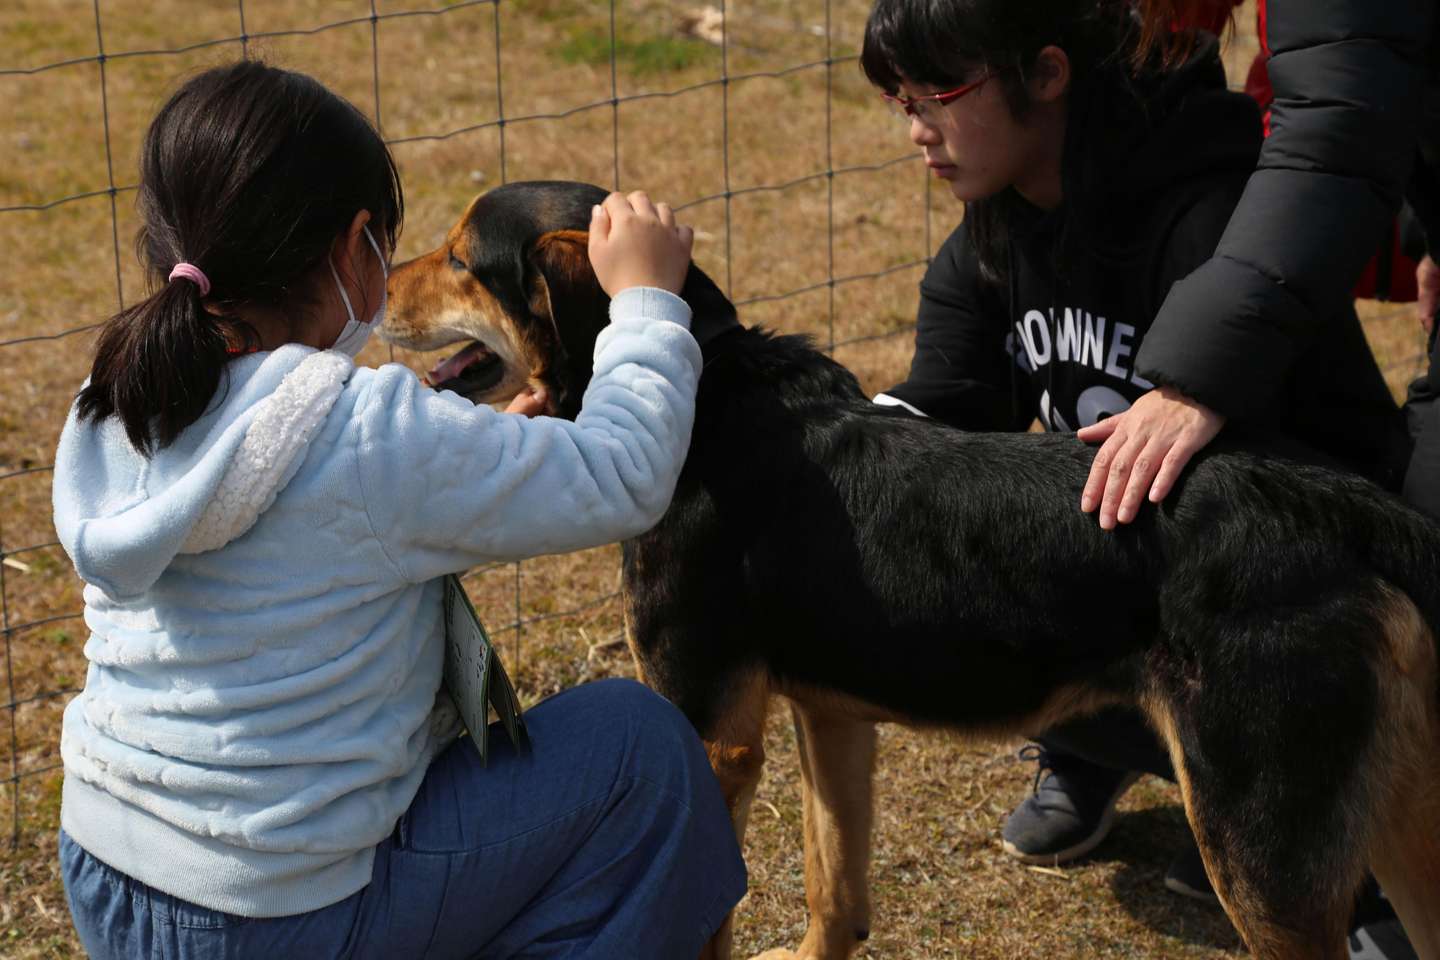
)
(472, 370)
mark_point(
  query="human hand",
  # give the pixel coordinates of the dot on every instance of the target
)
(529, 402)
(1145, 447)
(1427, 281)
(634, 243)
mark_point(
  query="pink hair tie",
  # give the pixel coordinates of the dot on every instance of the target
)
(189, 271)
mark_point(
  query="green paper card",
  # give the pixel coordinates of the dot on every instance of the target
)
(474, 676)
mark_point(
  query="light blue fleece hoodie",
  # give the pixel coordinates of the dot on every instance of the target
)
(265, 626)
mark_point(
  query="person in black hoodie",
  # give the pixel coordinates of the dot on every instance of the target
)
(1091, 186)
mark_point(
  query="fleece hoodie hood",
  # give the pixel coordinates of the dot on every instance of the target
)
(202, 491)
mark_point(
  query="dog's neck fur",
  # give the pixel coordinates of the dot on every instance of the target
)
(755, 381)
(712, 313)
(760, 398)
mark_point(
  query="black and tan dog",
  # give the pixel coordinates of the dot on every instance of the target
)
(1275, 622)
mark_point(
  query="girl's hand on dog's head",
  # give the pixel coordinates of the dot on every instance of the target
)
(634, 243)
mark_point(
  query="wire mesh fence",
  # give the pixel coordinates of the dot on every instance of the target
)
(812, 214)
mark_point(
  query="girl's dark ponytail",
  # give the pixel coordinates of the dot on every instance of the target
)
(157, 365)
(249, 173)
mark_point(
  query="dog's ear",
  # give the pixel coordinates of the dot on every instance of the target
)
(564, 280)
(565, 290)
(712, 313)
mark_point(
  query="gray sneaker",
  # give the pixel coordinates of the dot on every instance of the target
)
(1069, 811)
(1381, 940)
(1375, 932)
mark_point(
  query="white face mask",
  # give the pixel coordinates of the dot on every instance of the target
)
(353, 338)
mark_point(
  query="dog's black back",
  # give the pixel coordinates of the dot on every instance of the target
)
(853, 542)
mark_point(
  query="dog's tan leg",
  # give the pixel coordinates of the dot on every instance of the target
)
(1318, 934)
(837, 760)
(1405, 854)
(736, 747)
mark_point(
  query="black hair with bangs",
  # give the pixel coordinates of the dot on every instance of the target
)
(945, 43)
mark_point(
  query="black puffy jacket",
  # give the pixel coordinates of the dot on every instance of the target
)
(1348, 78)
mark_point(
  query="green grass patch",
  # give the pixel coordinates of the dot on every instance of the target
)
(652, 55)
(45, 564)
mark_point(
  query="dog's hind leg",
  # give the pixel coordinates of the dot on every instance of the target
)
(1276, 897)
(1283, 722)
(1407, 860)
(1405, 852)
(837, 760)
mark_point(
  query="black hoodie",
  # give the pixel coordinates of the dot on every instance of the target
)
(1165, 165)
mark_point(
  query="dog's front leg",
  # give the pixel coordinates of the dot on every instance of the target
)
(736, 745)
(837, 761)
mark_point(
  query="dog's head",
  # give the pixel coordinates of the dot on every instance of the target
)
(513, 282)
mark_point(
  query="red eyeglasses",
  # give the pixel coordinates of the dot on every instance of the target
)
(927, 108)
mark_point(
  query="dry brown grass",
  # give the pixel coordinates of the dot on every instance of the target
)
(941, 887)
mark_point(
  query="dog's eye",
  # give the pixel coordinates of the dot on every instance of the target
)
(456, 262)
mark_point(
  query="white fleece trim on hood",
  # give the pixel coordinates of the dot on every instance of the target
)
(281, 429)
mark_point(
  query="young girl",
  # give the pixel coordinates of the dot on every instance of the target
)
(261, 762)
(1090, 188)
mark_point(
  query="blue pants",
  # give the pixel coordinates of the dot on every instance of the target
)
(610, 839)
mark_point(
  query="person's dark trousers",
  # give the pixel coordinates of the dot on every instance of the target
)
(1117, 738)
(1422, 417)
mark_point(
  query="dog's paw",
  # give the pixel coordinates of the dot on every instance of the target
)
(778, 953)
